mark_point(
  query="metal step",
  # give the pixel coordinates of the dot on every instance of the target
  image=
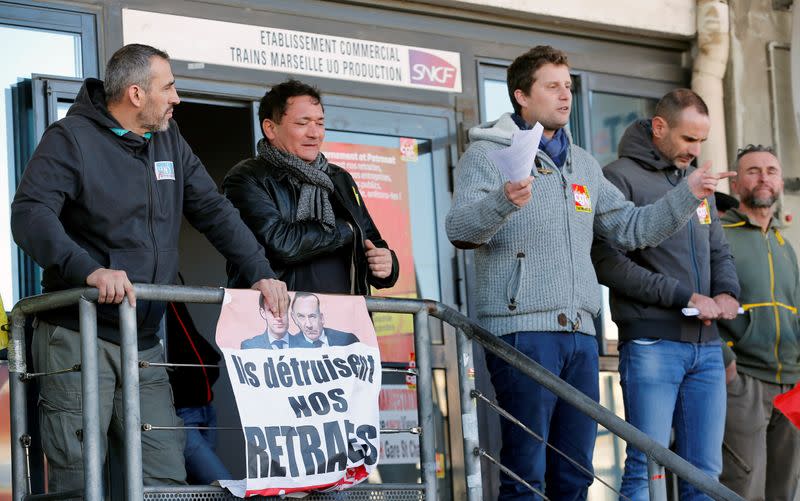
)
(363, 492)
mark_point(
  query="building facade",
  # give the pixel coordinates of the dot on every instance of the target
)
(402, 83)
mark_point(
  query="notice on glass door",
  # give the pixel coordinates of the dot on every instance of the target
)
(382, 178)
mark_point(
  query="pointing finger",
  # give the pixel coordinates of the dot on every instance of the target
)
(723, 175)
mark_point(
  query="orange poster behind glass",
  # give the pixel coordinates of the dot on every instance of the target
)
(382, 178)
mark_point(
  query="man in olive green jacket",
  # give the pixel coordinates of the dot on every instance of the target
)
(761, 452)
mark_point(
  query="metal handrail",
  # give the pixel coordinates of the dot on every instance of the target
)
(659, 457)
(420, 308)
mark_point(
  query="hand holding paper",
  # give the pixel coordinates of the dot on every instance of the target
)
(519, 192)
(516, 162)
(693, 312)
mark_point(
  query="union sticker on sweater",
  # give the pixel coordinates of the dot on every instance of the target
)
(581, 195)
(703, 214)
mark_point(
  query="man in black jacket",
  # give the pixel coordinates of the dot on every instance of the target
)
(670, 365)
(100, 204)
(308, 214)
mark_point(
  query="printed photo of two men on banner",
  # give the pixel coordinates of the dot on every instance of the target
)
(306, 386)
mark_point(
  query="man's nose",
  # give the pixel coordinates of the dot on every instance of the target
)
(174, 99)
(694, 149)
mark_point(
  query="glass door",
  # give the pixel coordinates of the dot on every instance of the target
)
(399, 158)
(37, 103)
(45, 40)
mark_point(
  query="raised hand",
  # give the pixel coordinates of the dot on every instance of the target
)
(703, 182)
(519, 192)
(379, 260)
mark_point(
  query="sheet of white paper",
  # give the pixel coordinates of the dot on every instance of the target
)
(516, 161)
(693, 312)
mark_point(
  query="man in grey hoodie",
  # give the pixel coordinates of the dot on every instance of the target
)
(536, 286)
(670, 365)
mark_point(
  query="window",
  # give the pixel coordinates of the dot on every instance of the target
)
(45, 41)
(494, 98)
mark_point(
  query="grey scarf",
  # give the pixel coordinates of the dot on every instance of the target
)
(313, 179)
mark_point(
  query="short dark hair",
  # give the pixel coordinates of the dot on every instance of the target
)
(301, 295)
(130, 65)
(273, 104)
(751, 148)
(521, 72)
(674, 102)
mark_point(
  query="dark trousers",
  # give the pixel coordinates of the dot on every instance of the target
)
(60, 410)
(573, 357)
(762, 457)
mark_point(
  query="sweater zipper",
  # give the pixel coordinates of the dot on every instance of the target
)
(774, 307)
(576, 322)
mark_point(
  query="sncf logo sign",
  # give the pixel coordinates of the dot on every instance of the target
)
(427, 69)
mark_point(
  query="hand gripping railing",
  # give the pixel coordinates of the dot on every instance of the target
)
(92, 459)
(467, 330)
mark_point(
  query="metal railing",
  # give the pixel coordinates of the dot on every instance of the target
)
(467, 332)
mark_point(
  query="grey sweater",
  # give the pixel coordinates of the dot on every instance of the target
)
(534, 271)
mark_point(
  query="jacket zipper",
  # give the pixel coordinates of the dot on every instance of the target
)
(774, 308)
(360, 234)
(150, 218)
(696, 269)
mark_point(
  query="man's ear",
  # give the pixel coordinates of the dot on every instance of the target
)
(136, 95)
(521, 98)
(733, 185)
(268, 127)
(660, 127)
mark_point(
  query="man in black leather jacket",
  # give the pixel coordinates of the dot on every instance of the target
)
(308, 214)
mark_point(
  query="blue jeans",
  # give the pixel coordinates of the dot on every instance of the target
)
(202, 464)
(573, 357)
(666, 385)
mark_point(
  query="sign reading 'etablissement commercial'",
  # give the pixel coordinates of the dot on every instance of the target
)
(295, 52)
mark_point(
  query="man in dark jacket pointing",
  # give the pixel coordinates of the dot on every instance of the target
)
(101, 204)
(670, 365)
(308, 214)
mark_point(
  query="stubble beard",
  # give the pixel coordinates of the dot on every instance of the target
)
(153, 123)
(751, 200)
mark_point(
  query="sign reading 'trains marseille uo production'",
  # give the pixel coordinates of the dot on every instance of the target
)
(296, 52)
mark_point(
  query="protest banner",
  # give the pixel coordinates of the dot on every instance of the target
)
(306, 387)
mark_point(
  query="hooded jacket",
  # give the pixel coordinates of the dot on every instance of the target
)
(650, 286)
(92, 198)
(306, 256)
(765, 341)
(533, 266)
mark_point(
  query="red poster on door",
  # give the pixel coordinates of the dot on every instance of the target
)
(382, 178)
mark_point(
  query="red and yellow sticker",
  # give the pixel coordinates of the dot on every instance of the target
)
(703, 213)
(583, 203)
